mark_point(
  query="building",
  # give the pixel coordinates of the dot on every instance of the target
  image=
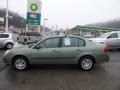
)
(88, 30)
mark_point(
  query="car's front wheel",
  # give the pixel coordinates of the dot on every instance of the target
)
(86, 63)
(20, 63)
(25, 42)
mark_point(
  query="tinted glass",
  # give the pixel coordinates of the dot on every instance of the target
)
(113, 35)
(81, 42)
(22, 34)
(4, 35)
(30, 34)
(49, 43)
(34, 34)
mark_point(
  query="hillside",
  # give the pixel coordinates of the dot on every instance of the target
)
(109, 24)
(15, 20)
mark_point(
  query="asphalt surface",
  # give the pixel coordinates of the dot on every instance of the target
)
(62, 77)
(2, 64)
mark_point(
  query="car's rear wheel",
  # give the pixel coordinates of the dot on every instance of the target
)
(86, 63)
(20, 63)
(9, 45)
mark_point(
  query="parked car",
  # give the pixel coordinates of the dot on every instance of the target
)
(58, 50)
(6, 40)
(112, 39)
(29, 37)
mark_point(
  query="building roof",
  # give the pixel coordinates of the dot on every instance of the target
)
(95, 28)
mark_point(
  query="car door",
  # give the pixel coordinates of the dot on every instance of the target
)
(113, 40)
(70, 49)
(46, 52)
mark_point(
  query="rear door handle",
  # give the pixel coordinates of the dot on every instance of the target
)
(55, 51)
(78, 49)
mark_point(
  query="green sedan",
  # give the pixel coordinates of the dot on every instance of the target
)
(58, 50)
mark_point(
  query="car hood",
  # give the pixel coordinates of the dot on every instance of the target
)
(20, 47)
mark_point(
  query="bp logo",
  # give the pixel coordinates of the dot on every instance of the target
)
(34, 7)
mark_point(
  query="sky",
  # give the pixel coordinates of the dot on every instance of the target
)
(69, 13)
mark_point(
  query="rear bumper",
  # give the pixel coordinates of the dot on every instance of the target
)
(102, 59)
(2, 45)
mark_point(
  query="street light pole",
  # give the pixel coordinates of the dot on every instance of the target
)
(6, 30)
(44, 25)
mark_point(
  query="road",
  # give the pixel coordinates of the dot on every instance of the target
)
(63, 77)
(2, 64)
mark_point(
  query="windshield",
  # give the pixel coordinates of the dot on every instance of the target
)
(104, 35)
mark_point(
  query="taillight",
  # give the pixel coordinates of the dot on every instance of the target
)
(106, 49)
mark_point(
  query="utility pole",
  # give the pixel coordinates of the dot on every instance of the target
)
(7, 15)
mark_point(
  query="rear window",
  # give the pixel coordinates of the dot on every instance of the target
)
(34, 34)
(4, 35)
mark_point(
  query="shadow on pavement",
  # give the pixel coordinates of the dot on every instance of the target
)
(67, 77)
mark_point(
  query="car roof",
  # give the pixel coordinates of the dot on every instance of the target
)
(65, 36)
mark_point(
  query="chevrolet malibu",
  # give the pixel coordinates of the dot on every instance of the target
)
(58, 50)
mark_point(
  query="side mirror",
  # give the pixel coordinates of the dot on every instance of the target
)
(108, 37)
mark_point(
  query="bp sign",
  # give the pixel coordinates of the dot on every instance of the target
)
(33, 12)
(33, 7)
(33, 19)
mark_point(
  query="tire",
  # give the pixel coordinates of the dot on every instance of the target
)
(86, 63)
(9, 45)
(25, 42)
(20, 63)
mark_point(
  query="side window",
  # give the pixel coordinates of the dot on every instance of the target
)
(113, 35)
(49, 43)
(70, 42)
(22, 34)
(4, 35)
(27, 34)
(34, 34)
(73, 42)
(81, 42)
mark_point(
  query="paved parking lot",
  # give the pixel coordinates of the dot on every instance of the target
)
(62, 77)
